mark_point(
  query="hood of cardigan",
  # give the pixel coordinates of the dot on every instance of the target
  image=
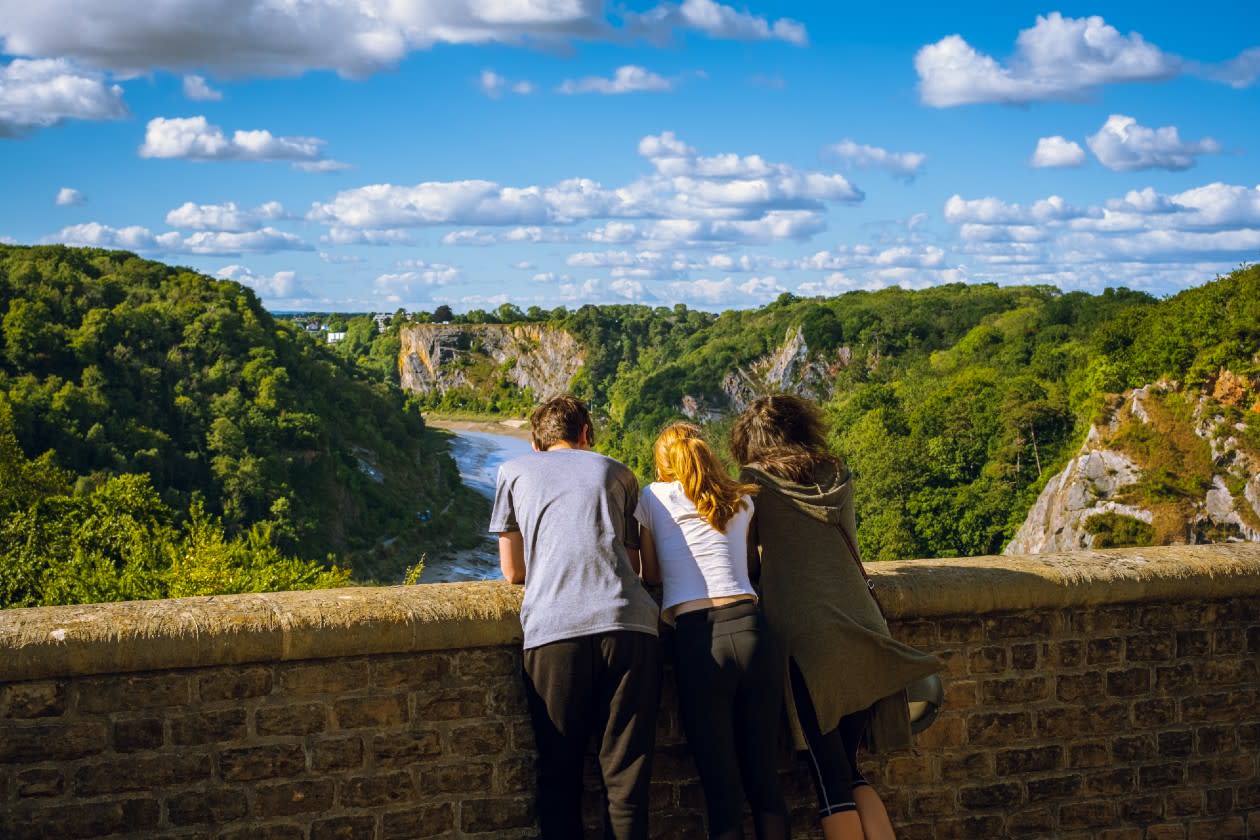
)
(825, 500)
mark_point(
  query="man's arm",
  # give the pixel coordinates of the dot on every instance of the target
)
(512, 556)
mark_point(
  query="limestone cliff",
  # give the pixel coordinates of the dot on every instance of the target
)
(791, 367)
(1108, 480)
(439, 357)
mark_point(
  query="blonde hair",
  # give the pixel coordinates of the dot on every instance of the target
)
(682, 455)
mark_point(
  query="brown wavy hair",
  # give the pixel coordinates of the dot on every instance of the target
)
(560, 418)
(784, 435)
(682, 455)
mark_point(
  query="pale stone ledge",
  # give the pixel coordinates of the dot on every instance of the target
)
(49, 642)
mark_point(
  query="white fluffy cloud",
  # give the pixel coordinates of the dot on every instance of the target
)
(493, 85)
(197, 89)
(44, 92)
(419, 275)
(137, 238)
(902, 164)
(194, 138)
(1239, 72)
(1058, 58)
(1124, 146)
(68, 197)
(225, 217)
(1141, 239)
(281, 285)
(718, 21)
(688, 199)
(628, 79)
(1057, 151)
(353, 38)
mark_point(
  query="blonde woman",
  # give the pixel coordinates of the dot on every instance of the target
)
(693, 538)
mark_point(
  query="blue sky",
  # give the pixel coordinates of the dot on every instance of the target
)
(368, 155)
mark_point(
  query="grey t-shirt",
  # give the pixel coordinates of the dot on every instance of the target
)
(575, 511)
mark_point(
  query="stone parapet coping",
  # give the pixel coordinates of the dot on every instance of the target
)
(50, 642)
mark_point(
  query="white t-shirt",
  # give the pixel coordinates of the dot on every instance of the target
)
(697, 561)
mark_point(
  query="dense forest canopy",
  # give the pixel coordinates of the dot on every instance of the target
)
(161, 433)
(181, 399)
(952, 405)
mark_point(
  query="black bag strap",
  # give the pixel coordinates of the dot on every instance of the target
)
(857, 558)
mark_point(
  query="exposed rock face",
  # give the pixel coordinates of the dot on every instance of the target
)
(433, 357)
(1091, 482)
(790, 368)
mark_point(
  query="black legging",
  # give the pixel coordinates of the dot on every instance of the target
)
(730, 693)
(832, 755)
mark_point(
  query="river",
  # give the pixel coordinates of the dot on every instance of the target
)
(478, 454)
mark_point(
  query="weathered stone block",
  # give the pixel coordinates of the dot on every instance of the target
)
(1055, 787)
(1150, 647)
(1088, 754)
(1129, 683)
(1070, 688)
(1228, 672)
(1001, 692)
(142, 772)
(1167, 831)
(133, 692)
(452, 704)
(138, 815)
(1129, 748)
(272, 831)
(1183, 803)
(1028, 625)
(1110, 782)
(998, 727)
(32, 700)
(1028, 760)
(919, 634)
(370, 712)
(960, 630)
(961, 694)
(514, 775)
(487, 815)
(39, 783)
(1176, 679)
(345, 828)
(1216, 740)
(403, 749)
(135, 734)
(963, 766)
(481, 663)
(1229, 640)
(456, 778)
(946, 732)
(234, 683)
(264, 762)
(1154, 776)
(1193, 644)
(1222, 706)
(337, 753)
(1155, 714)
(334, 676)
(1080, 815)
(1142, 810)
(214, 807)
(1218, 801)
(293, 719)
(969, 828)
(1024, 657)
(1107, 651)
(20, 744)
(1066, 654)
(1177, 743)
(428, 821)
(208, 727)
(481, 739)
(289, 798)
(1227, 828)
(995, 795)
(371, 791)
(907, 770)
(934, 803)
(416, 670)
(987, 660)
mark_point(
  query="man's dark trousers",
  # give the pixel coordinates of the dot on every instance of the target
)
(609, 684)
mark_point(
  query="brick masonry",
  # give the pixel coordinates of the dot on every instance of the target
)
(1114, 721)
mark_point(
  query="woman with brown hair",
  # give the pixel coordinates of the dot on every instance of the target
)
(846, 675)
(693, 538)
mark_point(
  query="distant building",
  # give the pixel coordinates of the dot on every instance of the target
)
(313, 326)
(334, 337)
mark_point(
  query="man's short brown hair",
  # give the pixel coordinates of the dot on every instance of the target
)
(560, 418)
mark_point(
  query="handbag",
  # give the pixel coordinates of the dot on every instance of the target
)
(924, 696)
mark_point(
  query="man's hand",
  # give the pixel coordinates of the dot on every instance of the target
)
(512, 556)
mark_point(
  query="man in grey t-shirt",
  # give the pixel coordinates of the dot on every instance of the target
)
(565, 519)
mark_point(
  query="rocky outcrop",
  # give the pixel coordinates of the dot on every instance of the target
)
(792, 367)
(1096, 480)
(439, 357)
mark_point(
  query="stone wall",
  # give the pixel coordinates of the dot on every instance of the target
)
(1109, 695)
